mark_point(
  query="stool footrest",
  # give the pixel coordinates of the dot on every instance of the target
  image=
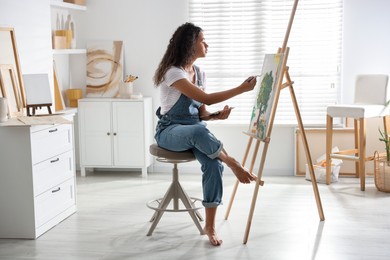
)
(150, 205)
(344, 156)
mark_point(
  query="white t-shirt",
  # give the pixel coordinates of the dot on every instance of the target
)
(170, 95)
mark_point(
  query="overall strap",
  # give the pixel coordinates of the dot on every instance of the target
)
(199, 79)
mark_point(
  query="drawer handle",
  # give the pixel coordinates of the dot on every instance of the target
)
(53, 130)
(56, 190)
(55, 160)
(108, 133)
(114, 133)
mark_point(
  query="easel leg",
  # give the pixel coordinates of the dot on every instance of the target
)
(248, 147)
(306, 146)
(255, 193)
(250, 170)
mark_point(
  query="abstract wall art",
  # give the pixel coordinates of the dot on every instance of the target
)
(104, 68)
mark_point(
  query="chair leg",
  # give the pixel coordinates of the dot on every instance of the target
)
(357, 140)
(329, 137)
(386, 124)
(362, 153)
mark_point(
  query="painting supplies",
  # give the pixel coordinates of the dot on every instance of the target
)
(130, 78)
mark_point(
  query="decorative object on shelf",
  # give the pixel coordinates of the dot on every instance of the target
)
(59, 103)
(131, 78)
(3, 109)
(70, 26)
(9, 56)
(125, 89)
(59, 42)
(74, 95)
(382, 172)
(60, 36)
(38, 93)
(104, 68)
(126, 86)
(64, 34)
(77, 2)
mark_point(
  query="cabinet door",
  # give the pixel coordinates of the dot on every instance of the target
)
(95, 133)
(128, 128)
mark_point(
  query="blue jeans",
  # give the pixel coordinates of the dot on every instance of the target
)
(206, 148)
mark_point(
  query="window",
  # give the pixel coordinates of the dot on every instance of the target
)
(240, 32)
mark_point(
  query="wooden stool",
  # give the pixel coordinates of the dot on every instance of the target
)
(175, 191)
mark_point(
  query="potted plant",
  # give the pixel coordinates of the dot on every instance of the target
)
(382, 165)
(384, 138)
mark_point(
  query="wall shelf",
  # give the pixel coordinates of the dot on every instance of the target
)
(61, 4)
(69, 51)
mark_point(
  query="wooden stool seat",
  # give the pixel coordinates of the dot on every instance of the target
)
(175, 192)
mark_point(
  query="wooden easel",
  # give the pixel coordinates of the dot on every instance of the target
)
(37, 106)
(280, 85)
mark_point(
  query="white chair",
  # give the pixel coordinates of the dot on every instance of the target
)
(371, 94)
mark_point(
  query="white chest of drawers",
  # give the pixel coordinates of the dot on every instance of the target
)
(37, 179)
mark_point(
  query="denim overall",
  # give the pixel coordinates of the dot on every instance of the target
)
(180, 129)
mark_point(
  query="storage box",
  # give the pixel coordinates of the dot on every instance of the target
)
(77, 2)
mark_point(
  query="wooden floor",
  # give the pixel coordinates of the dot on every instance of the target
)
(112, 222)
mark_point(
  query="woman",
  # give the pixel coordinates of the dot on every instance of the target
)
(183, 110)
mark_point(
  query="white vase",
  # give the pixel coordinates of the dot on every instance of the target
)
(125, 89)
(3, 109)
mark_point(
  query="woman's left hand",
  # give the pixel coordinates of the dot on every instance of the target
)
(219, 115)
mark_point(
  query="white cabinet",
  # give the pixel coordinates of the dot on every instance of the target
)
(115, 133)
(37, 178)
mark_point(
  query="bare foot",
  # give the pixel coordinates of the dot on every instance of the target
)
(242, 174)
(210, 232)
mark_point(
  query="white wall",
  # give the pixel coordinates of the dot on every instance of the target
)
(366, 41)
(146, 26)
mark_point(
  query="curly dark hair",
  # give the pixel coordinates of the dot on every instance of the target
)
(180, 50)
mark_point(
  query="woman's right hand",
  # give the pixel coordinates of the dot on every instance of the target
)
(249, 84)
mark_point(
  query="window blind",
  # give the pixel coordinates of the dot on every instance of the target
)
(240, 32)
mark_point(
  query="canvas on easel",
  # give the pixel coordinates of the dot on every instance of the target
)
(38, 92)
(265, 96)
